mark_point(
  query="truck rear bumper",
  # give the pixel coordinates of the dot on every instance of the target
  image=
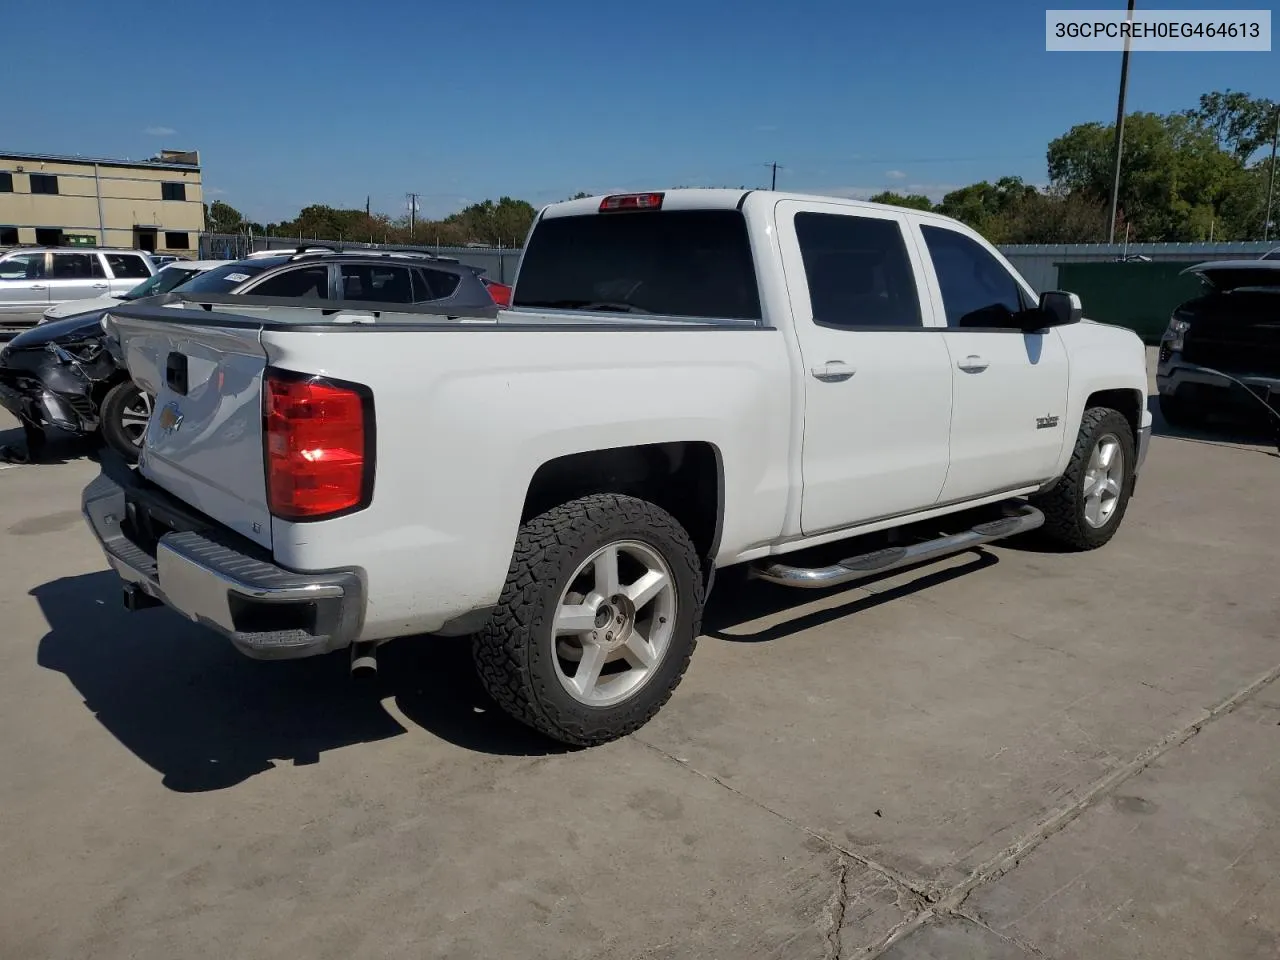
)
(202, 572)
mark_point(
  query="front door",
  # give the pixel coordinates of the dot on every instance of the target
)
(24, 288)
(1008, 420)
(144, 238)
(877, 375)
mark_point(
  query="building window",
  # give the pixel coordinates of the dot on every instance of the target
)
(49, 236)
(173, 191)
(8, 236)
(6, 182)
(43, 183)
(177, 241)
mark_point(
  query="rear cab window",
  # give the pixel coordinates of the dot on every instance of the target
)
(676, 263)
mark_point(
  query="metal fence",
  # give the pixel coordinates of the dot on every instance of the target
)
(1037, 262)
(499, 263)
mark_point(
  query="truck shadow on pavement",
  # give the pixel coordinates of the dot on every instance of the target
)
(737, 602)
(207, 718)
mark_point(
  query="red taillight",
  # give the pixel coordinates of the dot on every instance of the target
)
(500, 292)
(632, 201)
(318, 449)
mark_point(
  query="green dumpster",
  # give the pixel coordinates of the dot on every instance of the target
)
(1137, 295)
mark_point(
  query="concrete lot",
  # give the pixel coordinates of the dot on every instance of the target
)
(1013, 754)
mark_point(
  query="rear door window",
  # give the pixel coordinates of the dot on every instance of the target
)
(376, 283)
(75, 266)
(858, 271)
(679, 263)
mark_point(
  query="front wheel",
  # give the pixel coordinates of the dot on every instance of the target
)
(1084, 508)
(124, 414)
(597, 621)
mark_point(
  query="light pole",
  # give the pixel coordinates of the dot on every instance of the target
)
(1271, 184)
(1124, 83)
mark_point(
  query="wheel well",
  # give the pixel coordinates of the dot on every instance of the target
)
(1126, 402)
(685, 479)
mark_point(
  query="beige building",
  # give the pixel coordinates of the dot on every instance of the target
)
(155, 205)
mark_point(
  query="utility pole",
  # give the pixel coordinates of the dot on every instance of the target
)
(413, 213)
(1124, 83)
(773, 180)
(1271, 185)
(366, 205)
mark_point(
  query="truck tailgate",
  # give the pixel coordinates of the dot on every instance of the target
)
(204, 441)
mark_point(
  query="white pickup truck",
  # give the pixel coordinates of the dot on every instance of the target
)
(688, 380)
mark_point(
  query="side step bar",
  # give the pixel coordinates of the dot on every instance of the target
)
(1024, 520)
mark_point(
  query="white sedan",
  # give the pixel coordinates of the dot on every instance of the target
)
(162, 281)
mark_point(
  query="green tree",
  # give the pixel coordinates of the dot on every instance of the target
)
(915, 201)
(1173, 178)
(1240, 124)
(223, 218)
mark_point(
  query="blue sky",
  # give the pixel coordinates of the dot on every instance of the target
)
(324, 101)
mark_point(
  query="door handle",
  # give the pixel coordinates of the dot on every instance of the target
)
(100, 286)
(973, 364)
(833, 371)
(38, 286)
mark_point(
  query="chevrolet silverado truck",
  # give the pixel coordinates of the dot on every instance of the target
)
(687, 380)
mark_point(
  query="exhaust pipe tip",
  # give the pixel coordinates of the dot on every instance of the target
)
(364, 660)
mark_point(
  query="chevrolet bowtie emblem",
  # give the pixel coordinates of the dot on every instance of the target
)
(170, 417)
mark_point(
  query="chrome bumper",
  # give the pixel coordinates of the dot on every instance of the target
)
(267, 612)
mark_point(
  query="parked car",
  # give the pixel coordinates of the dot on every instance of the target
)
(164, 259)
(66, 374)
(34, 278)
(59, 373)
(686, 381)
(162, 281)
(1221, 351)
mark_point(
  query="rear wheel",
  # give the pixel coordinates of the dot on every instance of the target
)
(597, 621)
(124, 414)
(1084, 508)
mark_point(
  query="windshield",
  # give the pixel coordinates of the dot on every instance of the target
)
(226, 278)
(161, 282)
(679, 263)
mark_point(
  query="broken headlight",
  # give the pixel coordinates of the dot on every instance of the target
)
(84, 352)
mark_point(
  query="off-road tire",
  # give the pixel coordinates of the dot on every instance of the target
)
(1179, 414)
(514, 652)
(1063, 503)
(110, 427)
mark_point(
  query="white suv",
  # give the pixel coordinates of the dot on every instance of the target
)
(32, 279)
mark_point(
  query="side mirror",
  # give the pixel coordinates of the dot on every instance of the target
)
(1059, 308)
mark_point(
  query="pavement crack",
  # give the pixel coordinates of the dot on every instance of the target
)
(1024, 945)
(898, 880)
(836, 907)
(1008, 858)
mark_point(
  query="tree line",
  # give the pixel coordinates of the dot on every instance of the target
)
(501, 223)
(1193, 175)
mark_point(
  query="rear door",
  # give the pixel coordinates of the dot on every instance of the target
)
(1008, 422)
(76, 276)
(877, 376)
(126, 271)
(24, 286)
(204, 441)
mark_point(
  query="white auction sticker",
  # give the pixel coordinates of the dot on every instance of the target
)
(237, 277)
(1154, 31)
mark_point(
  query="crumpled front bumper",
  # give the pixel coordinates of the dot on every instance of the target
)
(202, 572)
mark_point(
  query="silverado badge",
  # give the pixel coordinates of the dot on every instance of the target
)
(170, 417)
(1044, 423)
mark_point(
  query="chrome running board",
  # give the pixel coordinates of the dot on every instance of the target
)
(1024, 520)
